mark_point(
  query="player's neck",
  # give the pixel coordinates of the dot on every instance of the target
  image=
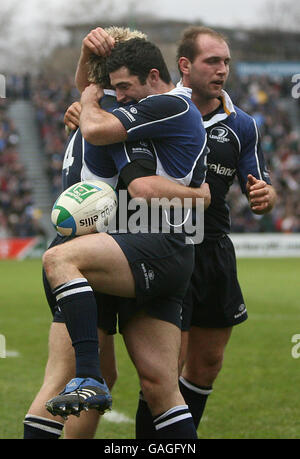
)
(206, 106)
(163, 87)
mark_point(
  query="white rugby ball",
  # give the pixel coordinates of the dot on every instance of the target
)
(83, 208)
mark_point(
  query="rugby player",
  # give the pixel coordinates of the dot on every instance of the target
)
(234, 150)
(110, 272)
(38, 422)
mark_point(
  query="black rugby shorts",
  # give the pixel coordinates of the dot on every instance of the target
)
(214, 298)
(162, 264)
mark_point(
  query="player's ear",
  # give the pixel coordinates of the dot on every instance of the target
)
(184, 65)
(153, 76)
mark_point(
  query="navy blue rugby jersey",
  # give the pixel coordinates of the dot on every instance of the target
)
(83, 161)
(234, 149)
(169, 128)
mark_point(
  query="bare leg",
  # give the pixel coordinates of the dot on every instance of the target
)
(205, 354)
(95, 256)
(59, 370)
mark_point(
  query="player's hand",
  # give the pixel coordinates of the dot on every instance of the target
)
(258, 194)
(98, 42)
(91, 94)
(72, 115)
(205, 193)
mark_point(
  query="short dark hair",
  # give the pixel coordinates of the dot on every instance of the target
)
(187, 46)
(139, 56)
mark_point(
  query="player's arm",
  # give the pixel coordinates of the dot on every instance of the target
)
(139, 176)
(253, 174)
(99, 127)
(262, 197)
(72, 116)
(157, 186)
(98, 42)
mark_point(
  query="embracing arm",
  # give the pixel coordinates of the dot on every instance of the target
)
(262, 197)
(72, 116)
(156, 186)
(99, 127)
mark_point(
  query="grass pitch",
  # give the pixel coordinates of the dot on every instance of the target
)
(255, 396)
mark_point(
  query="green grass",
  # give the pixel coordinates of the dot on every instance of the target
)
(255, 396)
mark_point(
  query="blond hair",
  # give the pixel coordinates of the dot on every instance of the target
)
(97, 72)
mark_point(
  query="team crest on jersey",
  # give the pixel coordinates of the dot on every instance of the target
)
(219, 134)
(128, 113)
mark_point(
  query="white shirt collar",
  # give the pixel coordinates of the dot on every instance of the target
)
(109, 92)
(181, 91)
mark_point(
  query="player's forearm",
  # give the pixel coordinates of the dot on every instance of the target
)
(272, 198)
(81, 75)
(99, 127)
(161, 187)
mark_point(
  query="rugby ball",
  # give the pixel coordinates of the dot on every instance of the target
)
(83, 208)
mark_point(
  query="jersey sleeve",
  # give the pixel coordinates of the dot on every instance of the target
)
(178, 138)
(151, 117)
(251, 160)
(134, 159)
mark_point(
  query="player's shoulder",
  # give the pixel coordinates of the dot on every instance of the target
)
(242, 123)
(242, 116)
(177, 100)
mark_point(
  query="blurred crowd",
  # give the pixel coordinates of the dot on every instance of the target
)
(51, 97)
(18, 216)
(268, 100)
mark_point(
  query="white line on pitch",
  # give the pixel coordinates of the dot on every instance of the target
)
(118, 418)
(12, 354)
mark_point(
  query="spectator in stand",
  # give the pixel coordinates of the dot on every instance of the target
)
(51, 97)
(265, 99)
(17, 214)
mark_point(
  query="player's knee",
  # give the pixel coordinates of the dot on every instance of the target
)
(55, 260)
(151, 390)
(158, 388)
(205, 370)
(213, 361)
(50, 259)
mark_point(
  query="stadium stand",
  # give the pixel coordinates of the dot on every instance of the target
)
(266, 99)
(18, 215)
(50, 98)
(269, 101)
